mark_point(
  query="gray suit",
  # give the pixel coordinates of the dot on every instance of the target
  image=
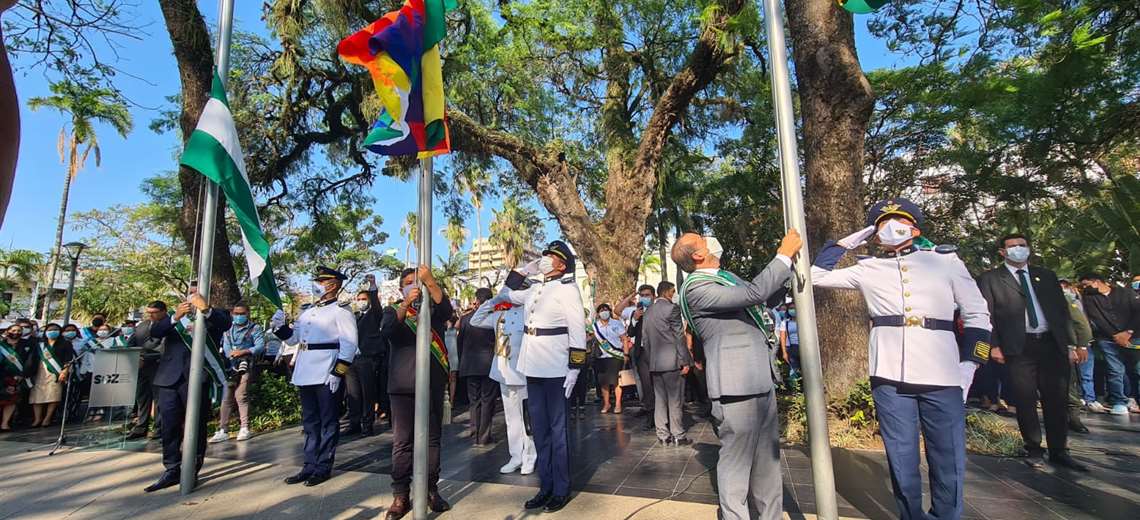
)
(663, 337)
(739, 371)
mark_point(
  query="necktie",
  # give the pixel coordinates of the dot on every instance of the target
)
(1030, 308)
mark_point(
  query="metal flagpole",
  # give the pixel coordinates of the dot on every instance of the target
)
(190, 433)
(821, 470)
(423, 356)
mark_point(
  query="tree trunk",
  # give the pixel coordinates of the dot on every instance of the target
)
(192, 49)
(835, 103)
(53, 266)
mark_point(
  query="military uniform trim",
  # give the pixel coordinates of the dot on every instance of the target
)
(340, 369)
(577, 358)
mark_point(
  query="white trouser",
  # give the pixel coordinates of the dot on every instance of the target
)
(520, 445)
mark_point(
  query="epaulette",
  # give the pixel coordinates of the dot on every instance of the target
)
(946, 249)
(568, 280)
(860, 258)
(305, 306)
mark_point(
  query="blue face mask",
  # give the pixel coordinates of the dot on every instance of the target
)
(52, 334)
(791, 313)
(69, 334)
(241, 319)
(127, 331)
(645, 301)
(1136, 285)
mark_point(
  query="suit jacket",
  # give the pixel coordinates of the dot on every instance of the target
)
(152, 347)
(663, 337)
(738, 361)
(402, 349)
(369, 339)
(1115, 312)
(478, 348)
(1006, 299)
(174, 365)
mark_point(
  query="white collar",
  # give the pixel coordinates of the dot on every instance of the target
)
(1013, 270)
(708, 270)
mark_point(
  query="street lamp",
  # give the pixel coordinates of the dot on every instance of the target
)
(73, 251)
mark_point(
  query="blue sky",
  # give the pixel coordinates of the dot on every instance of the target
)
(31, 218)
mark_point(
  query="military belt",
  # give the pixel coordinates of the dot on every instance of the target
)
(912, 321)
(552, 331)
(320, 346)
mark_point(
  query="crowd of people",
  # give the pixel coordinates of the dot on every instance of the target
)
(1014, 335)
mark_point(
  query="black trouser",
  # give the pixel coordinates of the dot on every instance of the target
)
(360, 388)
(403, 416)
(1041, 368)
(482, 392)
(172, 412)
(645, 390)
(382, 384)
(578, 396)
(144, 394)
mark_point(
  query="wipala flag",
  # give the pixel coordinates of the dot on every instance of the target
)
(214, 151)
(401, 52)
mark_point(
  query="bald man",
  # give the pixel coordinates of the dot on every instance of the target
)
(724, 311)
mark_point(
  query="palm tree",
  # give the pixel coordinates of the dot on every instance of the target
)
(514, 228)
(455, 234)
(409, 230)
(448, 272)
(84, 105)
(651, 263)
(475, 181)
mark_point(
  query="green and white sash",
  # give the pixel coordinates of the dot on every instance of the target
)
(605, 345)
(215, 368)
(11, 358)
(724, 279)
(48, 358)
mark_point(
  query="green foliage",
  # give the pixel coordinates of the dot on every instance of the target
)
(18, 268)
(515, 228)
(858, 408)
(989, 434)
(86, 104)
(274, 403)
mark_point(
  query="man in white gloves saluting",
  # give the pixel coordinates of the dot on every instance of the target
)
(326, 333)
(553, 353)
(919, 363)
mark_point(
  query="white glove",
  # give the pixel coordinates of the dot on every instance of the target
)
(966, 372)
(531, 268)
(571, 378)
(333, 383)
(857, 238)
(278, 319)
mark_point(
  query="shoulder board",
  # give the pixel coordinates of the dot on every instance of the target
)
(860, 258)
(344, 305)
(306, 306)
(946, 249)
(567, 280)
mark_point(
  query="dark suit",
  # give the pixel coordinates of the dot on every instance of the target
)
(360, 381)
(640, 363)
(172, 383)
(401, 391)
(1038, 363)
(663, 340)
(148, 367)
(478, 348)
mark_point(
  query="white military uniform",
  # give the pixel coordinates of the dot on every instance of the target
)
(915, 284)
(550, 304)
(322, 323)
(509, 332)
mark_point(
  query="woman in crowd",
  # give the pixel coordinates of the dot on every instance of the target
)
(13, 359)
(48, 368)
(578, 396)
(613, 345)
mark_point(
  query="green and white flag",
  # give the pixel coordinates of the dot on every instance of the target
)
(214, 151)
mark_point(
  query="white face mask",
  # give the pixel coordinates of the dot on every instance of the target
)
(318, 290)
(894, 233)
(407, 289)
(360, 305)
(604, 315)
(1017, 254)
(713, 246)
(546, 265)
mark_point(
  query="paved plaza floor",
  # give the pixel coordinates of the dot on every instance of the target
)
(618, 471)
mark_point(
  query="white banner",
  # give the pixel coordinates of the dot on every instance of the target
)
(114, 377)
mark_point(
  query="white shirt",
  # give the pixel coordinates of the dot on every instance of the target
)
(329, 323)
(550, 304)
(921, 284)
(611, 331)
(1042, 325)
(508, 326)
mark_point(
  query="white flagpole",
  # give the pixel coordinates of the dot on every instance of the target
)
(423, 356)
(190, 433)
(822, 473)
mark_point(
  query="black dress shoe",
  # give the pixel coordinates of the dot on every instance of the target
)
(297, 479)
(351, 430)
(168, 479)
(538, 501)
(316, 479)
(556, 504)
(1077, 426)
(436, 503)
(1065, 460)
(682, 442)
(1035, 460)
(136, 434)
